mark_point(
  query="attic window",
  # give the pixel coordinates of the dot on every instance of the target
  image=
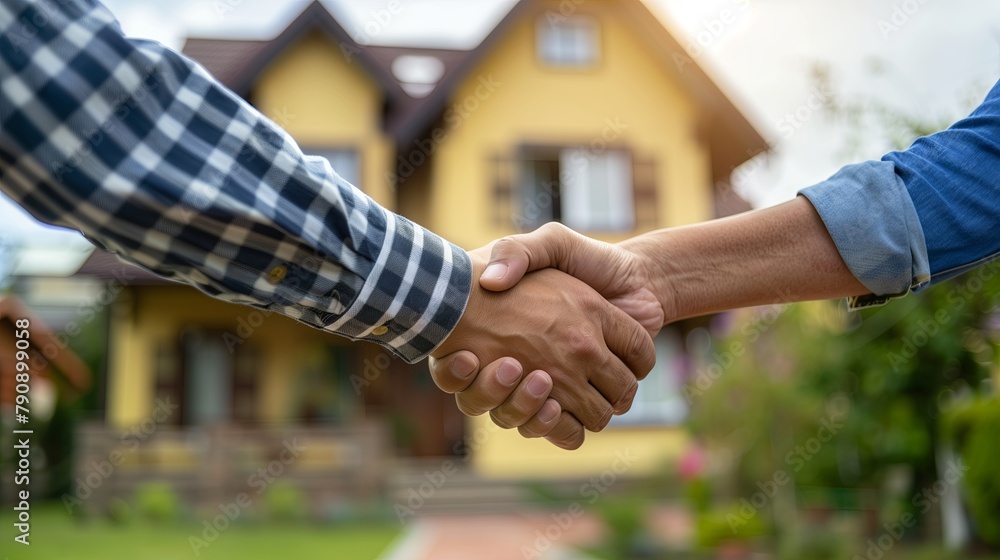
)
(417, 75)
(568, 42)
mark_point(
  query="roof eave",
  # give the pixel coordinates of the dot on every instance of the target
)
(315, 16)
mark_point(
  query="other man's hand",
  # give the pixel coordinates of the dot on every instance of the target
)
(593, 352)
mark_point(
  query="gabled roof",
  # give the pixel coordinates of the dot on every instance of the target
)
(407, 107)
(418, 121)
(735, 139)
(72, 369)
(732, 138)
(238, 63)
(229, 60)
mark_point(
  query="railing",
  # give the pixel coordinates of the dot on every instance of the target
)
(330, 466)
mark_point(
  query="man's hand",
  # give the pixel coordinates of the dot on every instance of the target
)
(592, 352)
(623, 277)
(619, 275)
(495, 389)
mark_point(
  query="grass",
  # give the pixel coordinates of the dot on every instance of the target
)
(921, 553)
(55, 535)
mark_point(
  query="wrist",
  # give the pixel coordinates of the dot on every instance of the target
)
(670, 272)
(650, 254)
(478, 261)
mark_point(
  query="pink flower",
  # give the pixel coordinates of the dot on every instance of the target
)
(692, 462)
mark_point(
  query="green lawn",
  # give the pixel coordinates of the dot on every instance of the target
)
(56, 536)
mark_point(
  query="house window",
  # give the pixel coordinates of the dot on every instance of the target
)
(345, 161)
(208, 367)
(219, 382)
(660, 399)
(570, 41)
(585, 190)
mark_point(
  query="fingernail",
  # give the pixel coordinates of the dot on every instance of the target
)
(495, 271)
(548, 412)
(537, 385)
(462, 367)
(509, 373)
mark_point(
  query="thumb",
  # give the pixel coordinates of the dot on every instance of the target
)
(515, 255)
(550, 246)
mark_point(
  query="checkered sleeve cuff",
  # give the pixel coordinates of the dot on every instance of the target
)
(414, 295)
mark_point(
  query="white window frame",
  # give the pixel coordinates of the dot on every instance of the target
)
(569, 42)
(598, 190)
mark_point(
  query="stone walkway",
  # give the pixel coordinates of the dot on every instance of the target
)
(535, 536)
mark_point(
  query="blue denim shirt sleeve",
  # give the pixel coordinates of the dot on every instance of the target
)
(922, 215)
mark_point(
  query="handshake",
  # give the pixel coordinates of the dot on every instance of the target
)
(565, 347)
(562, 349)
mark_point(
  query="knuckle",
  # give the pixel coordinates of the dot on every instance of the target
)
(531, 430)
(571, 441)
(624, 402)
(583, 346)
(514, 413)
(504, 245)
(468, 406)
(505, 418)
(444, 379)
(553, 228)
(445, 382)
(568, 433)
(500, 420)
(602, 420)
(642, 352)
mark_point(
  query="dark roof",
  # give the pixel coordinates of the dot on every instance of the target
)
(733, 139)
(106, 266)
(226, 59)
(238, 63)
(73, 370)
(407, 107)
(432, 107)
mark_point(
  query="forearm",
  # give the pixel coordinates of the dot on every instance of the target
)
(780, 254)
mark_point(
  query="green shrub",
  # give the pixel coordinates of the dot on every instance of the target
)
(713, 528)
(698, 495)
(814, 543)
(974, 431)
(285, 502)
(157, 501)
(625, 520)
(119, 511)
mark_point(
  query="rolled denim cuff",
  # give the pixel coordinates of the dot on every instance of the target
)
(872, 220)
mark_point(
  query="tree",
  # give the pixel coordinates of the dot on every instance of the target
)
(894, 371)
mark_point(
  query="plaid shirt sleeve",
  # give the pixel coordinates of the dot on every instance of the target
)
(146, 154)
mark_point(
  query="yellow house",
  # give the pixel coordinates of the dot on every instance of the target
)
(589, 113)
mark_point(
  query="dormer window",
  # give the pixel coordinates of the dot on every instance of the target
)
(418, 75)
(569, 42)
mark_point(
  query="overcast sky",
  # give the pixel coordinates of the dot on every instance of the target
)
(937, 57)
